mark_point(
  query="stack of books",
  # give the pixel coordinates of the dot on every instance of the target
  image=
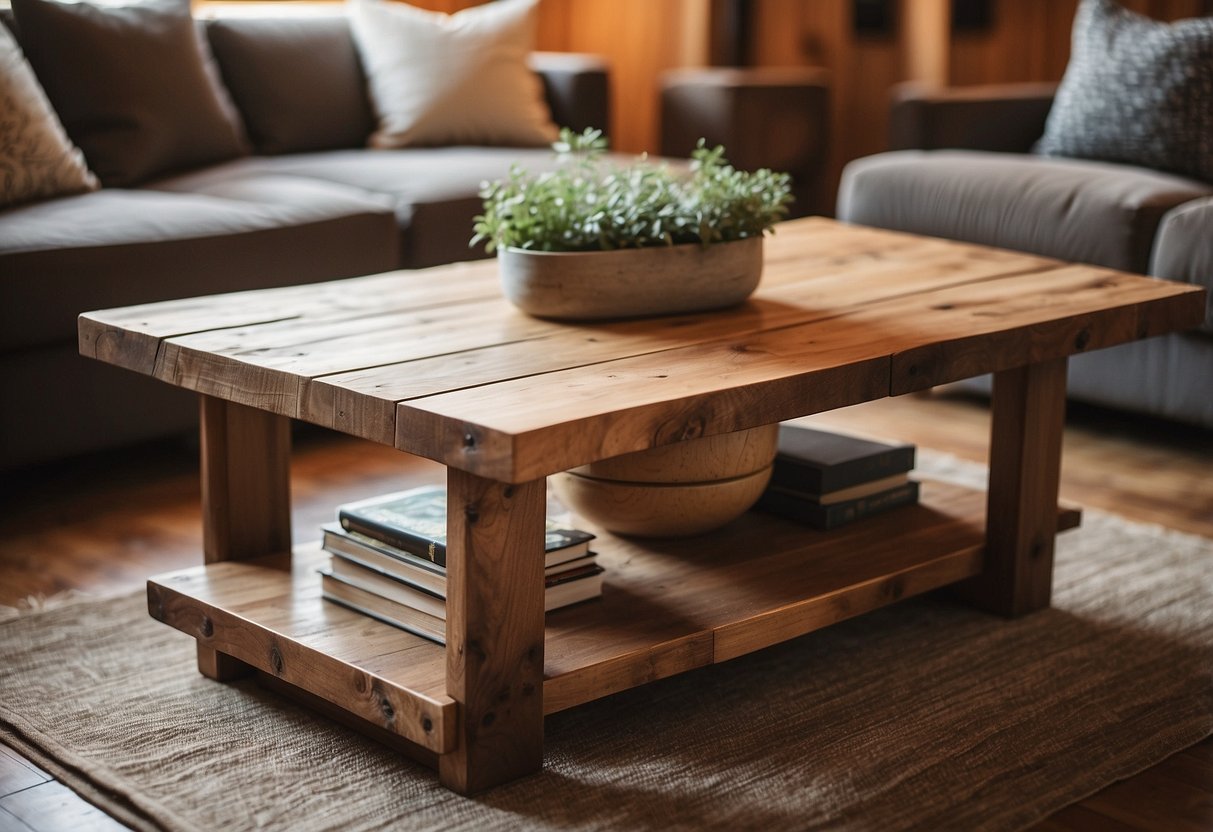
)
(389, 561)
(829, 479)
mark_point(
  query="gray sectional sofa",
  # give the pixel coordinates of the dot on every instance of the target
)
(963, 167)
(308, 202)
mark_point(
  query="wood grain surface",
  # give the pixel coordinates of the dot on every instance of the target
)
(438, 364)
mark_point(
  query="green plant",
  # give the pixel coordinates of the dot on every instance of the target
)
(591, 202)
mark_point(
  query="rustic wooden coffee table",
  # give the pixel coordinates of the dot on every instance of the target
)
(436, 363)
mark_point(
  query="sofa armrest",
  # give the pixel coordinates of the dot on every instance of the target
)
(577, 87)
(764, 117)
(1005, 118)
(1183, 250)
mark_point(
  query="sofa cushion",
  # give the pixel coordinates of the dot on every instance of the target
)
(1136, 90)
(134, 85)
(435, 190)
(1183, 249)
(1092, 212)
(440, 79)
(37, 160)
(296, 79)
(118, 247)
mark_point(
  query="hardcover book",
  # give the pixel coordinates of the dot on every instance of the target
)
(418, 571)
(414, 521)
(376, 554)
(796, 506)
(389, 612)
(820, 462)
(394, 602)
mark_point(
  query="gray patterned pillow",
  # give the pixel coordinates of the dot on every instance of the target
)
(37, 161)
(1136, 90)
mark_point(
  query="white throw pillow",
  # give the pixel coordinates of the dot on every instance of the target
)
(440, 79)
(37, 160)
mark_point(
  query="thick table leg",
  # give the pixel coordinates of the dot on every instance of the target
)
(494, 628)
(246, 507)
(1025, 466)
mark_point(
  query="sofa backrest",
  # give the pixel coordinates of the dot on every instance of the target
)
(296, 79)
(298, 82)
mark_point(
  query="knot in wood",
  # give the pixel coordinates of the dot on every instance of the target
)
(1082, 339)
(276, 661)
(385, 708)
(488, 719)
(469, 441)
(206, 628)
(472, 514)
(679, 431)
(427, 724)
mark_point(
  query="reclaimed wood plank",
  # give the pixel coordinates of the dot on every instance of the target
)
(494, 630)
(246, 503)
(667, 606)
(362, 402)
(494, 428)
(535, 426)
(424, 720)
(145, 326)
(1025, 469)
(999, 324)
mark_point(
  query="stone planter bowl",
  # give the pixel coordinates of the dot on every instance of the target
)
(676, 490)
(628, 283)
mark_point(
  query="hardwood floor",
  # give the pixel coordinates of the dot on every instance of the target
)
(101, 525)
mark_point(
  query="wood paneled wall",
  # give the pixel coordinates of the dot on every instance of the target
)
(640, 39)
(821, 33)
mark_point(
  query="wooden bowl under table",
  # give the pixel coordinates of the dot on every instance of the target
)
(676, 490)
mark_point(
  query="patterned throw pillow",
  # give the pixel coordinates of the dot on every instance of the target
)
(1136, 90)
(37, 160)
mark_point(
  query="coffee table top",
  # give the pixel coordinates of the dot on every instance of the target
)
(438, 363)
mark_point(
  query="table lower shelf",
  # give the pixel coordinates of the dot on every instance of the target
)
(667, 607)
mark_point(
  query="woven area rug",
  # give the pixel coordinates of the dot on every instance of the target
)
(921, 716)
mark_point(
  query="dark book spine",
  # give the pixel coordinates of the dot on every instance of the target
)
(792, 473)
(838, 514)
(431, 550)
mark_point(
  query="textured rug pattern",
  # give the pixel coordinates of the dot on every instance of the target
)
(921, 716)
